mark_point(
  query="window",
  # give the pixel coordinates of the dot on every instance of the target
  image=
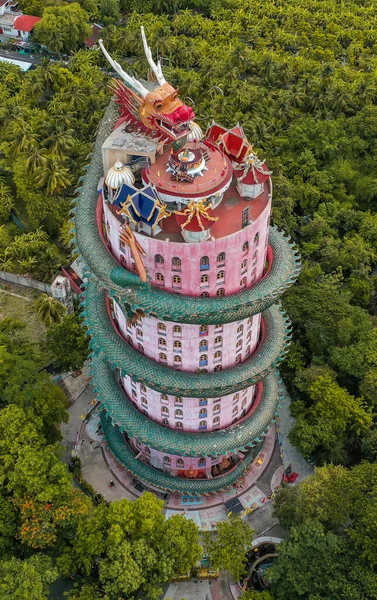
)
(203, 358)
(218, 368)
(164, 410)
(221, 259)
(256, 239)
(245, 247)
(140, 347)
(216, 421)
(254, 275)
(179, 414)
(164, 398)
(239, 344)
(163, 357)
(243, 282)
(158, 259)
(248, 337)
(160, 278)
(129, 339)
(244, 266)
(236, 398)
(248, 350)
(165, 421)
(235, 410)
(144, 401)
(179, 425)
(218, 328)
(204, 295)
(161, 327)
(176, 263)
(250, 321)
(220, 275)
(161, 342)
(167, 460)
(202, 412)
(176, 281)
(238, 359)
(202, 462)
(203, 425)
(217, 355)
(203, 344)
(220, 292)
(204, 263)
(240, 330)
(203, 401)
(143, 388)
(204, 279)
(178, 400)
(245, 216)
(218, 340)
(177, 330)
(177, 359)
(216, 408)
(139, 333)
(177, 345)
(180, 462)
(243, 404)
(255, 257)
(203, 329)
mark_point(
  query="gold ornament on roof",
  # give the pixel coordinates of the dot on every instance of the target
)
(198, 210)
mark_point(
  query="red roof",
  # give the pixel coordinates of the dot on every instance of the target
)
(96, 32)
(213, 132)
(25, 22)
(194, 225)
(253, 176)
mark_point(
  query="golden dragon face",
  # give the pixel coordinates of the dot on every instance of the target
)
(163, 110)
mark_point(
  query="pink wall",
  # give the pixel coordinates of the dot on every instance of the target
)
(185, 346)
(217, 412)
(241, 267)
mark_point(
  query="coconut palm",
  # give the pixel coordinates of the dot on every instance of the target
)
(49, 309)
(60, 140)
(52, 175)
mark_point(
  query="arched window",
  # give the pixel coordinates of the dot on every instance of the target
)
(203, 344)
(221, 259)
(179, 425)
(216, 408)
(256, 239)
(202, 412)
(165, 421)
(144, 401)
(216, 421)
(162, 342)
(203, 358)
(254, 275)
(178, 413)
(239, 344)
(165, 410)
(204, 279)
(164, 398)
(244, 266)
(177, 330)
(218, 339)
(140, 347)
(220, 275)
(167, 460)
(239, 329)
(163, 357)
(238, 359)
(139, 333)
(177, 345)
(255, 257)
(245, 247)
(158, 259)
(243, 282)
(249, 321)
(176, 280)
(220, 292)
(248, 350)
(161, 327)
(178, 400)
(176, 263)
(218, 368)
(243, 404)
(218, 328)
(204, 263)
(235, 410)
(203, 329)
(204, 295)
(160, 278)
(180, 462)
(143, 388)
(203, 425)
(202, 462)
(217, 355)
(236, 398)
(177, 359)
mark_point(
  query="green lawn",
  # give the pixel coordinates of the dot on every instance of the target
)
(21, 308)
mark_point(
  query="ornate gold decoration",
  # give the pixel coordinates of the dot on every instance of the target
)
(127, 236)
(198, 210)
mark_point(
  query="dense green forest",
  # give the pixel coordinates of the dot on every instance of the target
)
(301, 77)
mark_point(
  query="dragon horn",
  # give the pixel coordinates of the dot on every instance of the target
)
(134, 83)
(155, 68)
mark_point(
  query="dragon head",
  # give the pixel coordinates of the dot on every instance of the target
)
(159, 110)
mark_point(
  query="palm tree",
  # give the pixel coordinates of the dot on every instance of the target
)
(49, 309)
(48, 263)
(35, 158)
(21, 136)
(27, 265)
(6, 264)
(60, 140)
(52, 175)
